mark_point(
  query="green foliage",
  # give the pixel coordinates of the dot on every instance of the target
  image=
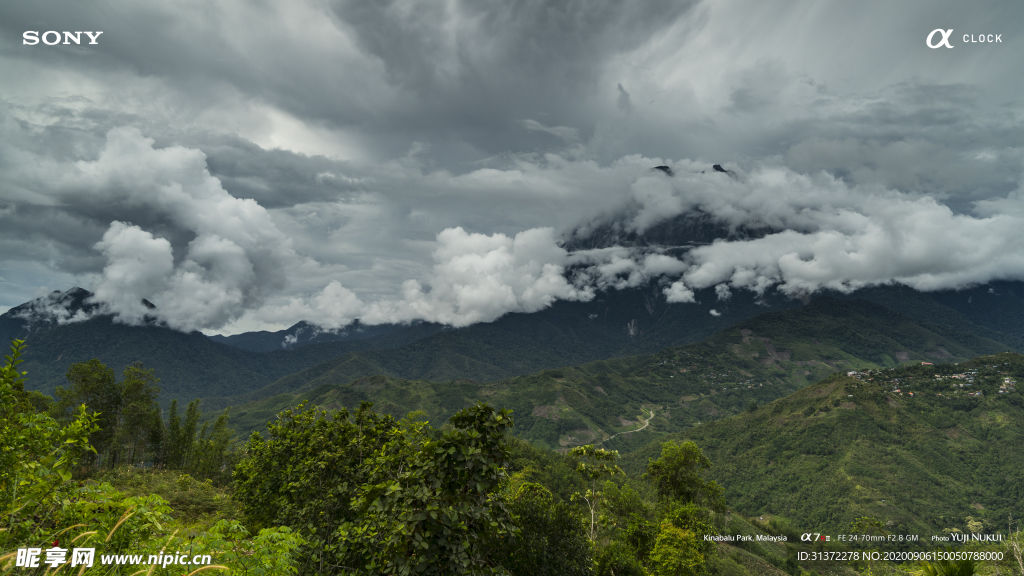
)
(594, 465)
(553, 470)
(878, 452)
(131, 430)
(271, 552)
(696, 520)
(40, 502)
(676, 552)
(308, 471)
(138, 412)
(192, 501)
(551, 538)
(370, 494)
(677, 473)
(94, 385)
(41, 505)
(605, 402)
(204, 453)
(628, 518)
(430, 506)
(868, 525)
(126, 411)
(37, 457)
(618, 559)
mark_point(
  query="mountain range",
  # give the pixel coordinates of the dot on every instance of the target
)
(804, 406)
(921, 447)
(64, 328)
(757, 360)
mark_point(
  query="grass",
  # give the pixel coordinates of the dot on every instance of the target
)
(194, 503)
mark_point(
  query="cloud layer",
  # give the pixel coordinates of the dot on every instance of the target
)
(249, 165)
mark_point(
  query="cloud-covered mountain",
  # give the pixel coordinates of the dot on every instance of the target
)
(455, 163)
(47, 311)
(64, 328)
(616, 322)
(304, 333)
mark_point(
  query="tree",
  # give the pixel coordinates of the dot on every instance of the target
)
(1015, 544)
(677, 475)
(179, 439)
(551, 538)
(36, 456)
(594, 464)
(434, 510)
(618, 559)
(136, 409)
(680, 549)
(125, 410)
(372, 495)
(211, 457)
(203, 454)
(94, 385)
(676, 552)
(307, 472)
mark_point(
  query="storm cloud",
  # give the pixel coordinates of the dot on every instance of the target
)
(249, 165)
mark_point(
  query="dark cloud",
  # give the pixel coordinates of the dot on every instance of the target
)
(277, 160)
(623, 101)
(473, 65)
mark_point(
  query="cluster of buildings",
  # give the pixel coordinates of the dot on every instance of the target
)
(968, 376)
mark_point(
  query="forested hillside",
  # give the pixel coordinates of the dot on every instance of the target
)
(921, 447)
(616, 324)
(755, 362)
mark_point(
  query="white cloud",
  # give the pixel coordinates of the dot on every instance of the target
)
(234, 259)
(722, 292)
(138, 266)
(208, 259)
(479, 278)
(842, 237)
(332, 308)
(415, 179)
(48, 307)
(678, 292)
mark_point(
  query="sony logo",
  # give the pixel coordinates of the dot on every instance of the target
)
(51, 37)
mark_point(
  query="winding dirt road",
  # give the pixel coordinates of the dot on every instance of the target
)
(646, 422)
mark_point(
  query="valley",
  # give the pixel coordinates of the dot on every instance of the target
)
(814, 415)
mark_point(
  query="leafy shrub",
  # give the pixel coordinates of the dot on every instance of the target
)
(550, 538)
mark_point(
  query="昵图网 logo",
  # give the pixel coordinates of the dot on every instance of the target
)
(53, 37)
(939, 38)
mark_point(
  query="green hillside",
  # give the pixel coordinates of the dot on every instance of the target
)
(609, 401)
(615, 324)
(194, 366)
(920, 447)
(991, 311)
(189, 365)
(567, 333)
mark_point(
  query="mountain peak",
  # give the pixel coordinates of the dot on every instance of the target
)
(56, 306)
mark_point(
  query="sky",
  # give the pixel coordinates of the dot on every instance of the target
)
(245, 165)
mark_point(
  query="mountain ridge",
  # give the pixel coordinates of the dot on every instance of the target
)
(757, 360)
(919, 447)
(617, 323)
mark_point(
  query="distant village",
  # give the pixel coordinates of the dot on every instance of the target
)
(945, 380)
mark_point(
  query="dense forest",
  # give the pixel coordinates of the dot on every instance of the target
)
(358, 491)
